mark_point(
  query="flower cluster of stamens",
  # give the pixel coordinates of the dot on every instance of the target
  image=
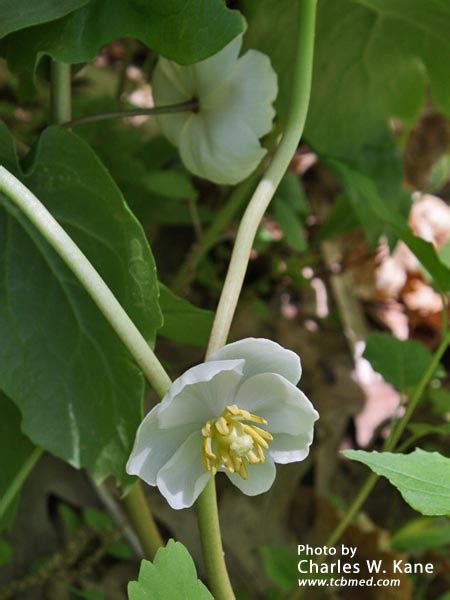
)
(233, 437)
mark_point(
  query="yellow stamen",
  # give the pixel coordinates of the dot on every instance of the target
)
(232, 439)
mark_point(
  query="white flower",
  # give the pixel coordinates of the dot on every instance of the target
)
(239, 413)
(220, 141)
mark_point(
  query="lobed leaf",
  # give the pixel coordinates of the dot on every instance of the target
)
(171, 575)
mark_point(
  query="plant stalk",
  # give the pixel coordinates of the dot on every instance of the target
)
(189, 106)
(213, 554)
(207, 503)
(142, 520)
(270, 181)
(61, 99)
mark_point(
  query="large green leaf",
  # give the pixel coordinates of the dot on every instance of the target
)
(19, 14)
(372, 60)
(61, 363)
(186, 31)
(15, 450)
(422, 478)
(171, 575)
(401, 362)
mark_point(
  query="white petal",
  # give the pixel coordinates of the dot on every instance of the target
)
(182, 479)
(262, 356)
(220, 147)
(201, 393)
(154, 446)
(285, 448)
(253, 90)
(217, 69)
(285, 407)
(260, 478)
(171, 84)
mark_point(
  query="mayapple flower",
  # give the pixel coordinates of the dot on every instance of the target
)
(219, 140)
(240, 413)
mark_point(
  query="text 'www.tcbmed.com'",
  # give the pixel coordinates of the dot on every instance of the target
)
(348, 582)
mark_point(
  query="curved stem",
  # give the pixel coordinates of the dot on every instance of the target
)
(269, 183)
(189, 106)
(115, 315)
(79, 264)
(391, 442)
(61, 99)
(18, 481)
(207, 503)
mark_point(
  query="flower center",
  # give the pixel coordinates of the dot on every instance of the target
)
(233, 437)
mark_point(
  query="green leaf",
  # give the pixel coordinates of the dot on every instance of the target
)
(280, 566)
(400, 362)
(372, 61)
(171, 575)
(371, 210)
(170, 183)
(422, 534)
(422, 478)
(19, 14)
(75, 383)
(15, 450)
(184, 322)
(185, 31)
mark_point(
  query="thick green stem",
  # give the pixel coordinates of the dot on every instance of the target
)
(142, 520)
(89, 278)
(207, 503)
(391, 442)
(18, 481)
(267, 186)
(191, 105)
(213, 554)
(61, 102)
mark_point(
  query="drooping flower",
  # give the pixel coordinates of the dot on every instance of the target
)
(240, 413)
(220, 140)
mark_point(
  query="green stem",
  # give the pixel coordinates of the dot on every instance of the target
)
(111, 309)
(18, 481)
(391, 442)
(236, 199)
(267, 186)
(61, 104)
(66, 248)
(207, 503)
(189, 106)
(142, 520)
(213, 554)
